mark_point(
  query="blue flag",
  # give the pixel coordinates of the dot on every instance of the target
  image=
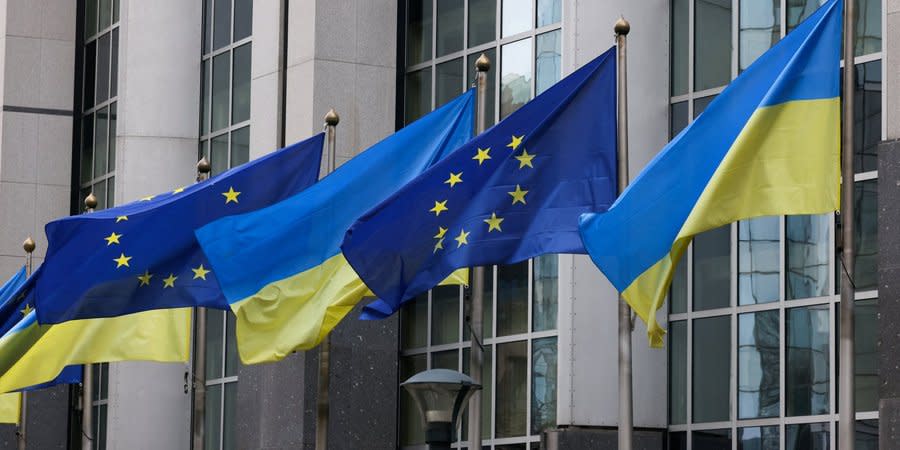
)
(144, 256)
(512, 193)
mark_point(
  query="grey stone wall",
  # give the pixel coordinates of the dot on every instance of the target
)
(889, 291)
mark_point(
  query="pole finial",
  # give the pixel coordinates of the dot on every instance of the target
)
(332, 118)
(483, 63)
(203, 166)
(90, 202)
(622, 26)
(28, 245)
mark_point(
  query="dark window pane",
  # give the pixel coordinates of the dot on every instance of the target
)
(807, 436)
(114, 65)
(548, 60)
(231, 353)
(111, 191)
(760, 29)
(240, 107)
(512, 299)
(799, 10)
(491, 83)
(712, 269)
(221, 69)
(113, 124)
(101, 139)
(99, 190)
(215, 343)
(515, 76)
(867, 434)
(678, 440)
(543, 384)
(712, 43)
(866, 235)
(865, 347)
(680, 43)
(482, 21)
(222, 24)
(545, 290)
(212, 440)
(712, 440)
(101, 415)
(444, 315)
(806, 361)
(240, 146)
(412, 429)
(90, 74)
(678, 372)
(205, 77)
(548, 12)
(868, 27)
(450, 23)
(219, 154)
(445, 360)
(90, 18)
(228, 417)
(758, 367)
(103, 68)
(711, 369)
(701, 103)
(867, 116)
(105, 11)
(678, 119)
(678, 294)
(87, 148)
(759, 261)
(418, 31)
(207, 26)
(448, 82)
(512, 368)
(516, 17)
(486, 392)
(758, 438)
(414, 323)
(243, 19)
(806, 248)
(115, 18)
(418, 94)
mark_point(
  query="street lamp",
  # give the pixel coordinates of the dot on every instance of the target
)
(441, 395)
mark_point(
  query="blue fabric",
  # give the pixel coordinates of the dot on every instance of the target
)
(80, 278)
(560, 147)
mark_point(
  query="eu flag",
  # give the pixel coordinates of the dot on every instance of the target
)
(144, 256)
(512, 193)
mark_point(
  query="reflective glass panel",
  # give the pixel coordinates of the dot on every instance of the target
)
(90, 18)
(543, 384)
(678, 440)
(679, 293)
(678, 118)
(240, 146)
(548, 12)
(482, 21)
(866, 354)
(205, 77)
(515, 76)
(207, 25)
(243, 19)
(712, 439)
(418, 31)
(103, 68)
(228, 418)
(445, 360)
(548, 61)
(711, 369)
(231, 354)
(111, 191)
(866, 235)
(101, 413)
(449, 27)
(448, 81)
(90, 73)
(807, 436)
(544, 306)
(87, 148)
(712, 43)
(240, 100)
(867, 434)
(105, 11)
(799, 10)
(806, 361)
(215, 344)
(222, 24)
(414, 323)
(701, 103)
(486, 391)
(759, 261)
(418, 94)
(114, 65)
(760, 29)
(101, 139)
(867, 116)
(512, 299)
(212, 440)
(220, 79)
(219, 151)
(444, 315)
(678, 372)
(491, 84)
(758, 366)
(712, 269)
(516, 16)
(412, 429)
(99, 190)
(512, 370)
(680, 42)
(758, 438)
(806, 259)
(868, 27)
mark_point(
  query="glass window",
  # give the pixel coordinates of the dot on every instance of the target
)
(491, 84)
(232, 361)
(243, 19)
(445, 360)
(448, 81)
(418, 94)
(543, 384)
(758, 438)
(90, 73)
(678, 119)
(701, 103)
(444, 315)
(806, 361)
(418, 31)
(229, 410)
(101, 139)
(413, 314)
(516, 16)
(806, 436)
(215, 343)
(487, 383)
(867, 434)
(90, 18)
(87, 148)
(760, 29)
(220, 90)
(218, 157)
(207, 25)
(678, 440)
(712, 43)
(105, 12)
(240, 106)
(545, 290)
(114, 65)
(222, 23)
(712, 439)
(412, 430)
(866, 235)
(212, 439)
(515, 76)
(680, 43)
(240, 146)
(866, 354)
(679, 293)
(548, 12)
(512, 299)
(759, 261)
(678, 372)
(102, 90)
(799, 10)
(512, 368)
(758, 367)
(204, 97)
(806, 248)
(449, 27)
(712, 269)
(482, 22)
(711, 369)
(867, 116)
(548, 61)
(868, 27)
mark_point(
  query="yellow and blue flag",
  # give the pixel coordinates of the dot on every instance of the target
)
(512, 193)
(767, 145)
(11, 402)
(144, 256)
(281, 268)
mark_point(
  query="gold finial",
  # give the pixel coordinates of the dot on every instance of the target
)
(332, 118)
(28, 245)
(90, 202)
(203, 165)
(483, 63)
(622, 26)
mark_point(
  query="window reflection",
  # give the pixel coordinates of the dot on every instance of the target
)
(807, 436)
(418, 31)
(678, 119)
(545, 291)
(758, 438)
(444, 315)
(680, 43)
(760, 29)
(413, 316)
(543, 384)
(866, 235)
(512, 299)
(759, 262)
(411, 430)
(806, 248)
(548, 61)
(799, 10)
(449, 27)
(807, 361)
(516, 16)
(482, 22)
(515, 76)
(512, 369)
(868, 27)
(867, 116)
(758, 367)
(418, 94)
(448, 81)
(712, 439)
(548, 12)
(865, 349)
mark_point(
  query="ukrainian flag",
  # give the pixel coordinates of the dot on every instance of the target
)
(769, 144)
(281, 267)
(11, 402)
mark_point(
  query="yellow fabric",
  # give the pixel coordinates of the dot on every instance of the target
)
(10, 406)
(296, 313)
(785, 161)
(37, 353)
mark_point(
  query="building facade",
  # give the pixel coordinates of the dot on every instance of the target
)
(122, 97)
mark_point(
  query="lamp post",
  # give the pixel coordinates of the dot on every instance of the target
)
(441, 396)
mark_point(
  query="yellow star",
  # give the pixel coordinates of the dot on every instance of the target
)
(121, 218)
(518, 195)
(231, 195)
(493, 222)
(27, 310)
(516, 140)
(439, 207)
(454, 178)
(148, 198)
(462, 239)
(170, 281)
(113, 238)
(525, 159)
(200, 272)
(441, 232)
(439, 245)
(179, 190)
(145, 278)
(482, 155)
(122, 260)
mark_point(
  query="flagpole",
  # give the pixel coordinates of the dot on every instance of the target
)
(322, 404)
(87, 378)
(21, 436)
(626, 407)
(846, 402)
(476, 314)
(198, 420)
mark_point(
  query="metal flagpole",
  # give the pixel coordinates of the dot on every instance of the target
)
(476, 315)
(322, 404)
(198, 422)
(21, 436)
(87, 378)
(626, 410)
(846, 401)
